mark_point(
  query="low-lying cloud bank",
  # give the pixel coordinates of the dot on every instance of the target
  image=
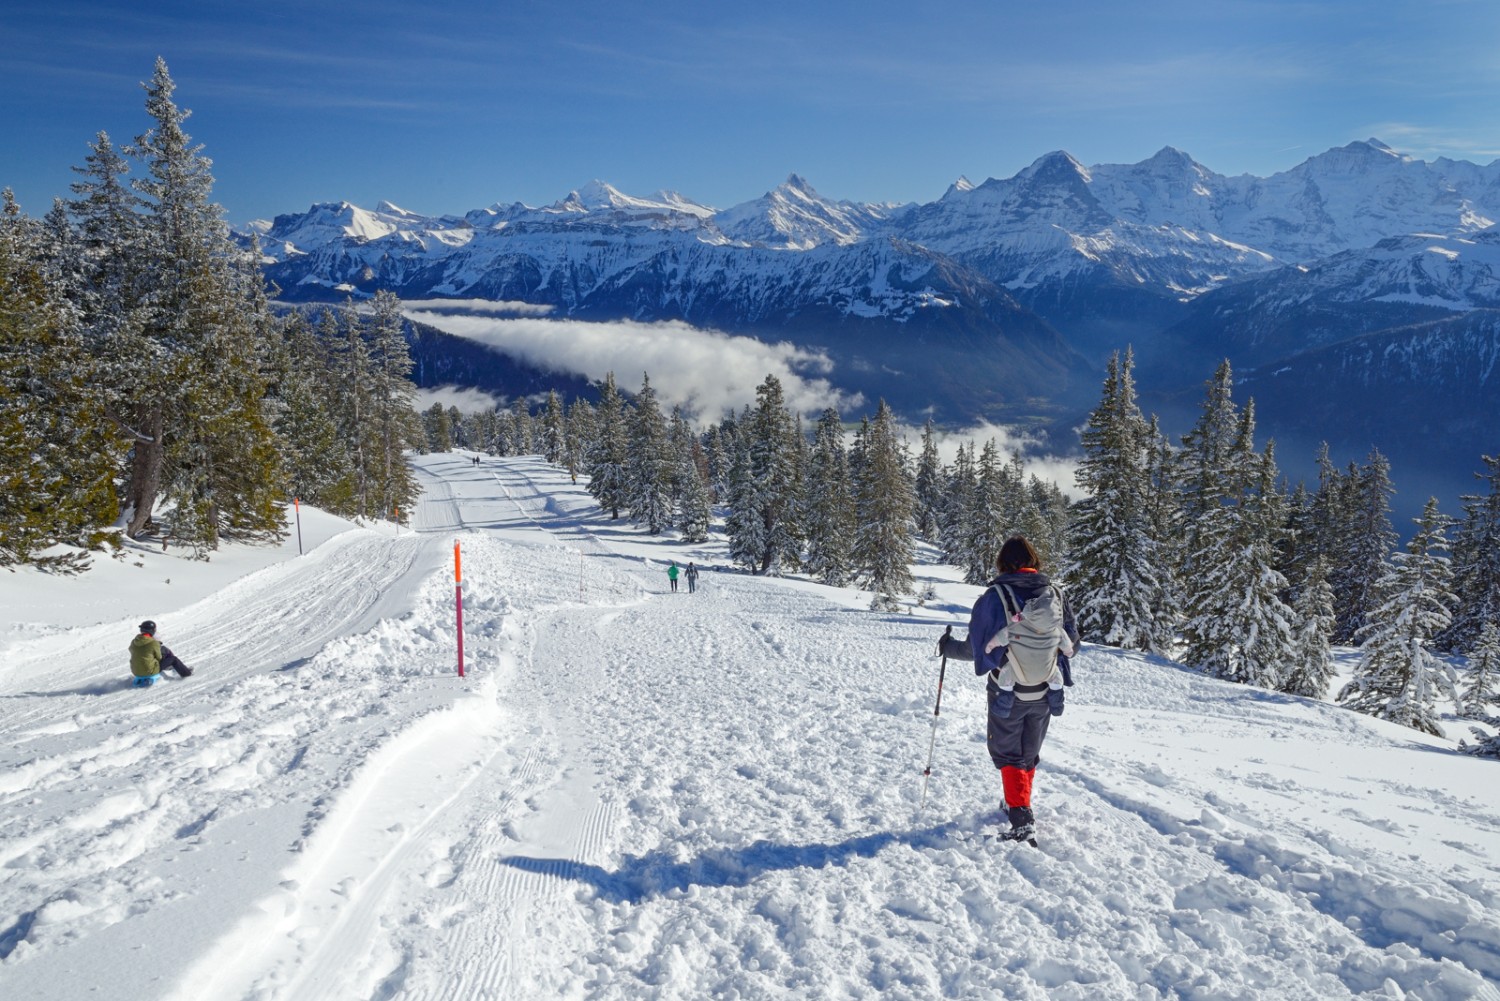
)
(705, 371)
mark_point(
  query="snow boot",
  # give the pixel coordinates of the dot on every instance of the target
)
(1022, 825)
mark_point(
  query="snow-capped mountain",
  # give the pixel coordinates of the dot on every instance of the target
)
(1003, 293)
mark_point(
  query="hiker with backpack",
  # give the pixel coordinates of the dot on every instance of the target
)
(149, 656)
(1022, 632)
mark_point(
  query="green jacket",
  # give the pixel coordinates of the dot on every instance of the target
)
(672, 571)
(145, 656)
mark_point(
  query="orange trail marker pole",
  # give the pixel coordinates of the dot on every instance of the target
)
(458, 594)
(297, 507)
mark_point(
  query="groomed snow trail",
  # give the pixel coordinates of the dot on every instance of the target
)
(640, 794)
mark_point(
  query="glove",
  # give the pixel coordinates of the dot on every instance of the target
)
(1055, 701)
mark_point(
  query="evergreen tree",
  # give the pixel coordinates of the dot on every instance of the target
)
(202, 438)
(55, 443)
(394, 406)
(354, 404)
(957, 503)
(1476, 563)
(438, 428)
(1311, 668)
(985, 521)
(523, 428)
(581, 428)
(692, 504)
(609, 452)
(1236, 625)
(885, 505)
(1367, 541)
(651, 466)
(1116, 570)
(554, 430)
(1483, 688)
(314, 452)
(1398, 676)
(828, 516)
(762, 524)
(929, 485)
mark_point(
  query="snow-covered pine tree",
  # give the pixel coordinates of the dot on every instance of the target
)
(885, 508)
(1476, 562)
(56, 447)
(459, 428)
(394, 406)
(929, 485)
(1398, 677)
(343, 337)
(1052, 514)
(989, 520)
(1310, 667)
(1164, 516)
(651, 466)
(958, 499)
(1482, 688)
(204, 440)
(1115, 572)
(315, 454)
(1236, 625)
(1203, 462)
(762, 523)
(554, 429)
(437, 429)
(1368, 538)
(523, 428)
(582, 425)
(828, 514)
(691, 504)
(609, 451)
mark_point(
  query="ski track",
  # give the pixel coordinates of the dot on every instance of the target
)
(712, 795)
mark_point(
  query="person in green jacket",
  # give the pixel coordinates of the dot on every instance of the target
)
(148, 655)
(672, 573)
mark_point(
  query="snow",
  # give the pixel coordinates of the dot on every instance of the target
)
(639, 794)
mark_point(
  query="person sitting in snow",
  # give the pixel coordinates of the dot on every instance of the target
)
(148, 655)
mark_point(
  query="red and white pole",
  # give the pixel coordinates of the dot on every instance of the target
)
(458, 594)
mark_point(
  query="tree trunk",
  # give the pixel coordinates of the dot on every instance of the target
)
(145, 472)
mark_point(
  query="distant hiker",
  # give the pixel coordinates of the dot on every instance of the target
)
(1022, 632)
(672, 573)
(692, 577)
(148, 656)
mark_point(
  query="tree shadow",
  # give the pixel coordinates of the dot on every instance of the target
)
(642, 877)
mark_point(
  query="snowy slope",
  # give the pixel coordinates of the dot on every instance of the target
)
(638, 794)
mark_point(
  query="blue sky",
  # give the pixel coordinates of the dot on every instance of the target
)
(450, 106)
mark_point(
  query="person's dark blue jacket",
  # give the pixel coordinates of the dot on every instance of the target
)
(989, 617)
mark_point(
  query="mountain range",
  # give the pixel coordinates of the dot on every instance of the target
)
(1359, 275)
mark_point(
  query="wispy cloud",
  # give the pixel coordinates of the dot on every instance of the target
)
(706, 371)
(1423, 141)
(481, 306)
(467, 401)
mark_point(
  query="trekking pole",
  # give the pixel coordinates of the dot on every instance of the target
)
(937, 711)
